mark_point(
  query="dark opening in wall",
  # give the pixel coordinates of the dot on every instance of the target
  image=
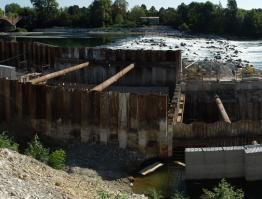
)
(201, 106)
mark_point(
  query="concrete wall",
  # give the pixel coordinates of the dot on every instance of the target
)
(224, 162)
(8, 72)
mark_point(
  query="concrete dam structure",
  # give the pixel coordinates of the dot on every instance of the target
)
(135, 99)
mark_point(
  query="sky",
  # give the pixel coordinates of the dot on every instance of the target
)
(246, 4)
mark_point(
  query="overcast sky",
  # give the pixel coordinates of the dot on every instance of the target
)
(247, 4)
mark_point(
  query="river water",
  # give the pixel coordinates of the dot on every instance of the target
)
(193, 48)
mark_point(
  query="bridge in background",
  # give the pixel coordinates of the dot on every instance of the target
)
(10, 20)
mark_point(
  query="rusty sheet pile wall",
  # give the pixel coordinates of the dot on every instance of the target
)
(129, 120)
(153, 68)
(27, 54)
(217, 134)
(39, 53)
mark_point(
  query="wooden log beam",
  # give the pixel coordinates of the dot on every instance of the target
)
(113, 79)
(59, 73)
(222, 110)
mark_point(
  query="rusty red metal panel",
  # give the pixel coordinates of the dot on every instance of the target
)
(114, 110)
(104, 110)
(76, 107)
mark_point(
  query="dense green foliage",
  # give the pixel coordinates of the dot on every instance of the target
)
(179, 196)
(223, 191)
(57, 159)
(154, 194)
(7, 142)
(105, 195)
(194, 17)
(36, 150)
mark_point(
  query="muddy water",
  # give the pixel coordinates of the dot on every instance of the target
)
(167, 181)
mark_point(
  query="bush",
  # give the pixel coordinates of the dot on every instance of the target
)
(223, 191)
(184, 28)
(179, 196)
(154, 194)
(7, 142)
(37, 150)
(103, 195)
(57, 159)
(21, 30)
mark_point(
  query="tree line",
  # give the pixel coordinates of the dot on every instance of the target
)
(194, 17)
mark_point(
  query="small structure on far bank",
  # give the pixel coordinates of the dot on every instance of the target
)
(150, 20)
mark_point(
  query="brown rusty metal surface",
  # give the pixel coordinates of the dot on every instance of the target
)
(114, 78)
(59, 73)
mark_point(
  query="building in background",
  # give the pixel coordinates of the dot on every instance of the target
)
(150, 20)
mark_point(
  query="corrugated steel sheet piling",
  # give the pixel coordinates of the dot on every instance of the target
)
(59, 73)
(113, 79)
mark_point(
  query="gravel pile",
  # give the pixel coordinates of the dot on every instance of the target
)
(24, 177)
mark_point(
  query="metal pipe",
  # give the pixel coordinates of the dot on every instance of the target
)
(222, 110)
(59, 73)
(113, 79)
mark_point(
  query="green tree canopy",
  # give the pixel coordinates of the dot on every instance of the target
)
(119, 10)
(101, 13)
(13, 8)
(136, 13)
(46, 11)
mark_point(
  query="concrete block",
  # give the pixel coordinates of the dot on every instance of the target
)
(122, 138)
(104, 134)
(142, 141)
(253, 163)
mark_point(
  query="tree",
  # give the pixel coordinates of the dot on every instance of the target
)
(136, 13)
(152, 12)
(46, 11)
(168, 16)
(119, 10)
(232, 24)
(101, 13)
(223, 191)
(13, 8)
(1, 12)
(28, 18)
(73, 10)
(232, 6)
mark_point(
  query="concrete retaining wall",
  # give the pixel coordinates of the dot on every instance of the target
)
(224, 162)
(8, 72)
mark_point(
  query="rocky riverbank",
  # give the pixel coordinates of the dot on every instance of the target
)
(24, 177)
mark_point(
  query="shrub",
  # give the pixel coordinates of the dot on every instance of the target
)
(103, 195)
(179, 196)
(57, 159)
(21, 30)
(7, 142)
(223, 191)
(184, 28)
(154, 194)
(37, 150)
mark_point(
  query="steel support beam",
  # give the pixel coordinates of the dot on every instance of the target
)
(222, 110)
(113, 79)
(59, 73)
